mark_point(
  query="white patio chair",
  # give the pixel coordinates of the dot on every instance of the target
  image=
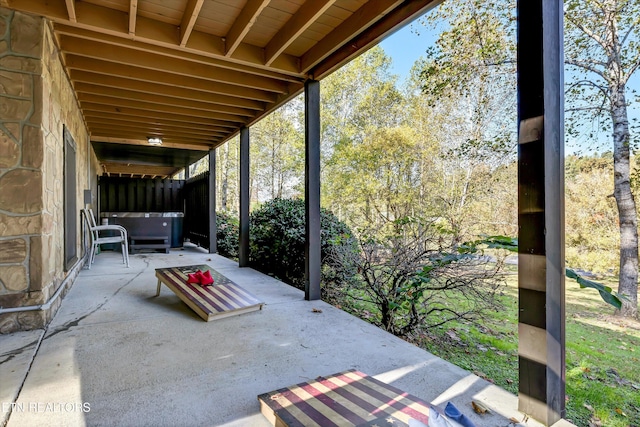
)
(97, 240)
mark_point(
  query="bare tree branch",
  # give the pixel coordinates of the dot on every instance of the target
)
(587, 65)
(587, 31)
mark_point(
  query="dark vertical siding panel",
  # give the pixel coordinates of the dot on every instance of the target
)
(131, 196)
(141, 195)
(157, 195)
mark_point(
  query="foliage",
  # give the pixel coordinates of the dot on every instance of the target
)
(227, 170)
(378, 179)
(469, 81)
(478, 45)
(277, 244)
(411, 280)
(592, 237)
(511, 244)
(277, 154)
(602, 50)
(607, 294)
(228, 234)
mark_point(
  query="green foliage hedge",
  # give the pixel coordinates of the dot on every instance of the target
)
(228, 234)
(277, 246)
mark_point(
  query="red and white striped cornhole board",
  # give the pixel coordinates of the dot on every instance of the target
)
(349, 398)
(222, 299)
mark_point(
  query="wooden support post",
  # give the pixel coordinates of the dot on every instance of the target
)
(312, 189)
(186, 172)
(243, 250)
(541, 327)
(213, 228)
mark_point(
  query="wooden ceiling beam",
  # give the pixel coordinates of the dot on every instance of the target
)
(189, 19)
(84, 34)
(164, 134)
(71, 10)
(373, 35)
(159, 99)
(144, 142)
(141, 135)
(113, 168)
(108, 110)
(308, 13)
(78, 76)
(359, 21)
(133, 14)
(113, 22)
(169, 109)
(151, 61)
(160, 129)
(153, 76)
(94, 117)
(55, 10)
(243, 23)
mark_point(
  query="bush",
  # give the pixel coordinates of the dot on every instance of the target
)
(410, 278)
(228, 234)
(277, 245)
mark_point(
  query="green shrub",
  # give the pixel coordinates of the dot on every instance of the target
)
(278, 244)
(228, 234)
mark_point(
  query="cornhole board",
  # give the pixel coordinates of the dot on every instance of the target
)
(222, 299)
(348, 398)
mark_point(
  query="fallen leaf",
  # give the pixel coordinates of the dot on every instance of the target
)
(589, 407)
(514, 420)
(509, 381)
(316, 310)
(479, 407)
(619, 412)
(481, 374)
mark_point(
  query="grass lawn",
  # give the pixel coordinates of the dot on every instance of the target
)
(603, 355)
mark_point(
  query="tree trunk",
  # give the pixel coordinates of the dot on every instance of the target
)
(225, 178)
(628, 284)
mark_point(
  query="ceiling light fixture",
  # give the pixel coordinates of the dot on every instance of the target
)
(154, 140)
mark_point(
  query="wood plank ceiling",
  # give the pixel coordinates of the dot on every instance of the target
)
(193, 72)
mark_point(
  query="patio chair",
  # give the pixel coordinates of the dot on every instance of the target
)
(96, 240)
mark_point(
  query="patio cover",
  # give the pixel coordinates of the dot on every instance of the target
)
(194, 72)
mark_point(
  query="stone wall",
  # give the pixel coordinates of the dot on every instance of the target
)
(36, 100)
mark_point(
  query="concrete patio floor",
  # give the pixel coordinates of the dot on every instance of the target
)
(116, 355)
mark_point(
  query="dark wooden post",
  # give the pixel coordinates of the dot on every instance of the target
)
(541, 327)
(213, 227)
(186, 172)
(243, 250)
(312, 189)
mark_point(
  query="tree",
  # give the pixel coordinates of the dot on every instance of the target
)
(592, 237)
(277, 154)
(227, 165)
(602, 48)
(377, 180)
(410, 279)
(468, 78)
(357, 100)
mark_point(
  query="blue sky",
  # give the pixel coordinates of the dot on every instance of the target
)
(405, 47)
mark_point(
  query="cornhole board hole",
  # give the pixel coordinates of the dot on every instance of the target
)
(348, 398)
(222, 299)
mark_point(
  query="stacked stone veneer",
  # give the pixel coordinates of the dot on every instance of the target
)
(36, 100)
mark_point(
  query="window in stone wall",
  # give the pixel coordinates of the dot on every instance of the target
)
(70, 208)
